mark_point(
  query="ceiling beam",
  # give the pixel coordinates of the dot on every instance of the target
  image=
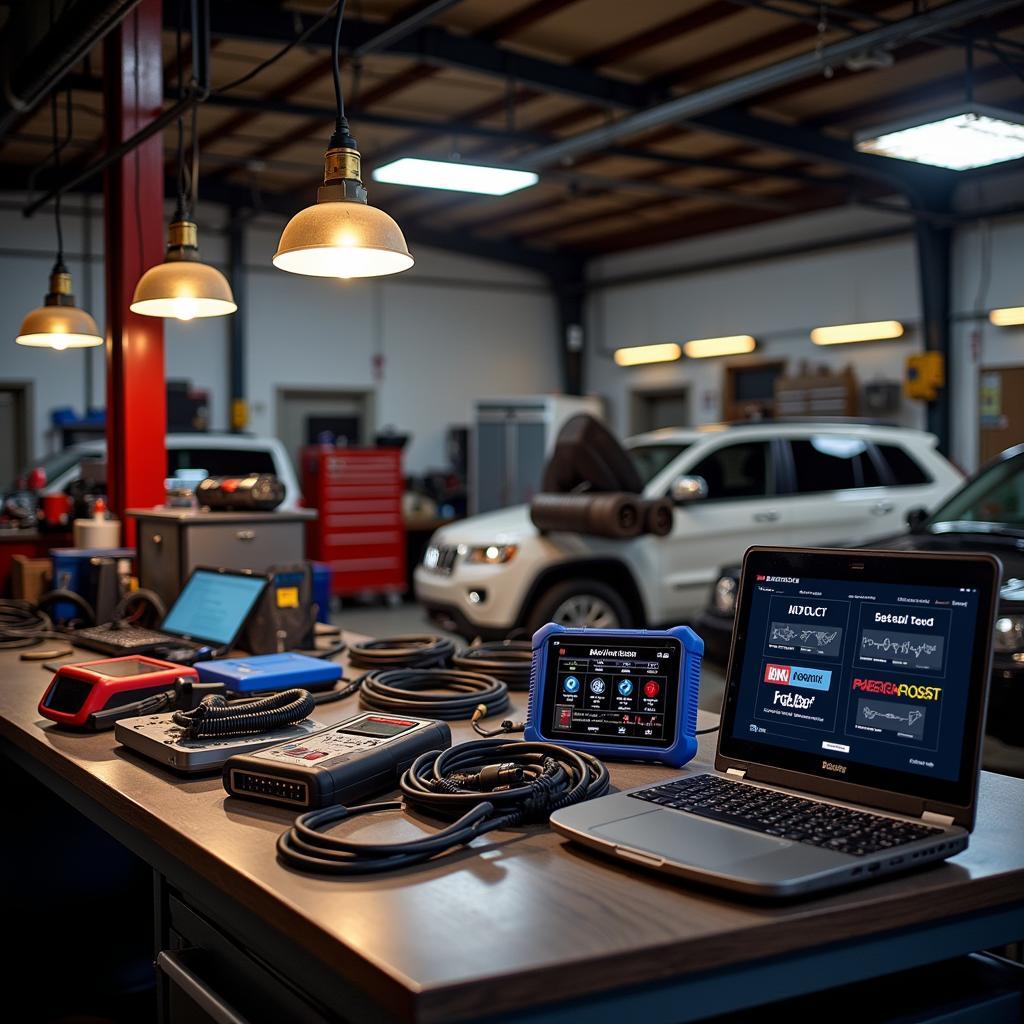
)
(404, 24)
(437, 46)
(431, 45)
(749, 86)
(550, 262)
(469, 129)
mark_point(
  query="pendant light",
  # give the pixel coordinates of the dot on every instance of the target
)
(340, 236)
(183, 286)
(59, 324)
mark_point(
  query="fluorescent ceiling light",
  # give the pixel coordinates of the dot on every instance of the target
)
(455, 176)
(733, 345)
(958, 139)
(843, 334)
(639, 354)
(1012, 316)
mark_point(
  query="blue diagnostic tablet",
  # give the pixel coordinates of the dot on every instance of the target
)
(625, 693)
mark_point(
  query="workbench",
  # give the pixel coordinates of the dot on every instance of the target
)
(523, 926)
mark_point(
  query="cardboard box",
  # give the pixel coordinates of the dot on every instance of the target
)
(30, 577)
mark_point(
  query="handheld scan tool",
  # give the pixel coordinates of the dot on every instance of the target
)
(92, 695)
(623, 693)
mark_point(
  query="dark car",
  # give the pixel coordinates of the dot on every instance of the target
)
(986, 514)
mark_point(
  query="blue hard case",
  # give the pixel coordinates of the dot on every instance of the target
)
(685, 745)
(269, 672)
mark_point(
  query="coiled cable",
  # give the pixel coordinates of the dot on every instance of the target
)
(413, 650)
(216, 716)
(480, 786)
(443, 693)
(507, 660)
(23, 624)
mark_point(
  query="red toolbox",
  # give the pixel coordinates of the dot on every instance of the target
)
(359, 532)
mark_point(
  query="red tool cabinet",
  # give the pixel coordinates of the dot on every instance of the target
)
(359, 532)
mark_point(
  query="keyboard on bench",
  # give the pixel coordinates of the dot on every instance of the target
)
(778, 814)
(129, 638)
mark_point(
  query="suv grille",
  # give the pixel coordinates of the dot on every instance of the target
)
(440, 558)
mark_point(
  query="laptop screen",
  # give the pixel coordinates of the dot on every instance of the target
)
(213, 606)
(859, 677)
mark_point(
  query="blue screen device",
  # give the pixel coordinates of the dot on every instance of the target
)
(620, 693)
(269, 672)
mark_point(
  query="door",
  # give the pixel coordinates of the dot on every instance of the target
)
(741, 508)
(835, 492)
(13, 431)
(303, 413)
(653, 409)
(1000, 410)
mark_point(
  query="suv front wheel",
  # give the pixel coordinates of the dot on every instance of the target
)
(582, 602)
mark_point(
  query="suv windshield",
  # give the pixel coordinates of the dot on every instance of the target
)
(994, 498)
(651, 459)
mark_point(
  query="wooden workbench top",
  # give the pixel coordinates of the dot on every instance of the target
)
(521, 919)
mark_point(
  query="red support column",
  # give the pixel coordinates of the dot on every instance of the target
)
(134, 193)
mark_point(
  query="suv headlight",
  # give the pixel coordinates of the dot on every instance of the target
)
(1009, 633)
(492, 554)
(724, 597)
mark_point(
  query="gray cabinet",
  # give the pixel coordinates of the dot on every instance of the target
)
(512, 438)
(171, 543)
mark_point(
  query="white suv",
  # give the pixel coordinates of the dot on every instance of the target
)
(765, 483)
(218, 454)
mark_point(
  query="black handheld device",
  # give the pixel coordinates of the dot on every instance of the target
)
(342, 764)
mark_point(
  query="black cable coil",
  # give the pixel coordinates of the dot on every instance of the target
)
(414, 650)
(484, 784)
(442, 693)
(507, 660)
(216, 716)
(22, 624)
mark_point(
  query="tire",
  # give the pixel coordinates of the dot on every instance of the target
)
(556, 604)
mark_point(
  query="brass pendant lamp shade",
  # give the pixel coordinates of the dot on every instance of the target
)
(59, 323)
(341, 236)
(182, 286)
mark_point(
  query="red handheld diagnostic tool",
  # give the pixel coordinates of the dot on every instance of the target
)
(79, 695)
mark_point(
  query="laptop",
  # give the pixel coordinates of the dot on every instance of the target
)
(850, 739)
(206, 617)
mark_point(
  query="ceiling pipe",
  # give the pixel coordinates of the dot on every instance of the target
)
(748, 87)
(26, 81)
(404, 26)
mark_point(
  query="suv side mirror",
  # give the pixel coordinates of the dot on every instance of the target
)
(685, 489)
(916, 518)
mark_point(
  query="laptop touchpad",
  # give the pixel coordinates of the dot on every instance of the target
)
(682, 837)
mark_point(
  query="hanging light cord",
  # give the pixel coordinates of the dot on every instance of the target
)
(341, 134)
(58, 147)
(274, 58)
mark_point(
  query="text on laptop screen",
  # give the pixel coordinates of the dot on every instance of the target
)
(868, 673)
(212, 606)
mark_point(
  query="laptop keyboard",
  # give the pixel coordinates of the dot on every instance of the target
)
(129, 638)
(778, 814)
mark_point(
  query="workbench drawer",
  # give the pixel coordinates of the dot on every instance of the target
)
(247, 545)
(207, 978)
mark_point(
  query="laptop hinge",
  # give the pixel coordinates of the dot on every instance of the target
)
(738, 772)
(937, 819)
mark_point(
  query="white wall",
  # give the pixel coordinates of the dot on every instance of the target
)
(778, 301)
(451, 330)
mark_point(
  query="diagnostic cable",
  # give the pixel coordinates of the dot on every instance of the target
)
(442, 693)
(479, 786)
(216, 716)
(413, 650)
(507, 660)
